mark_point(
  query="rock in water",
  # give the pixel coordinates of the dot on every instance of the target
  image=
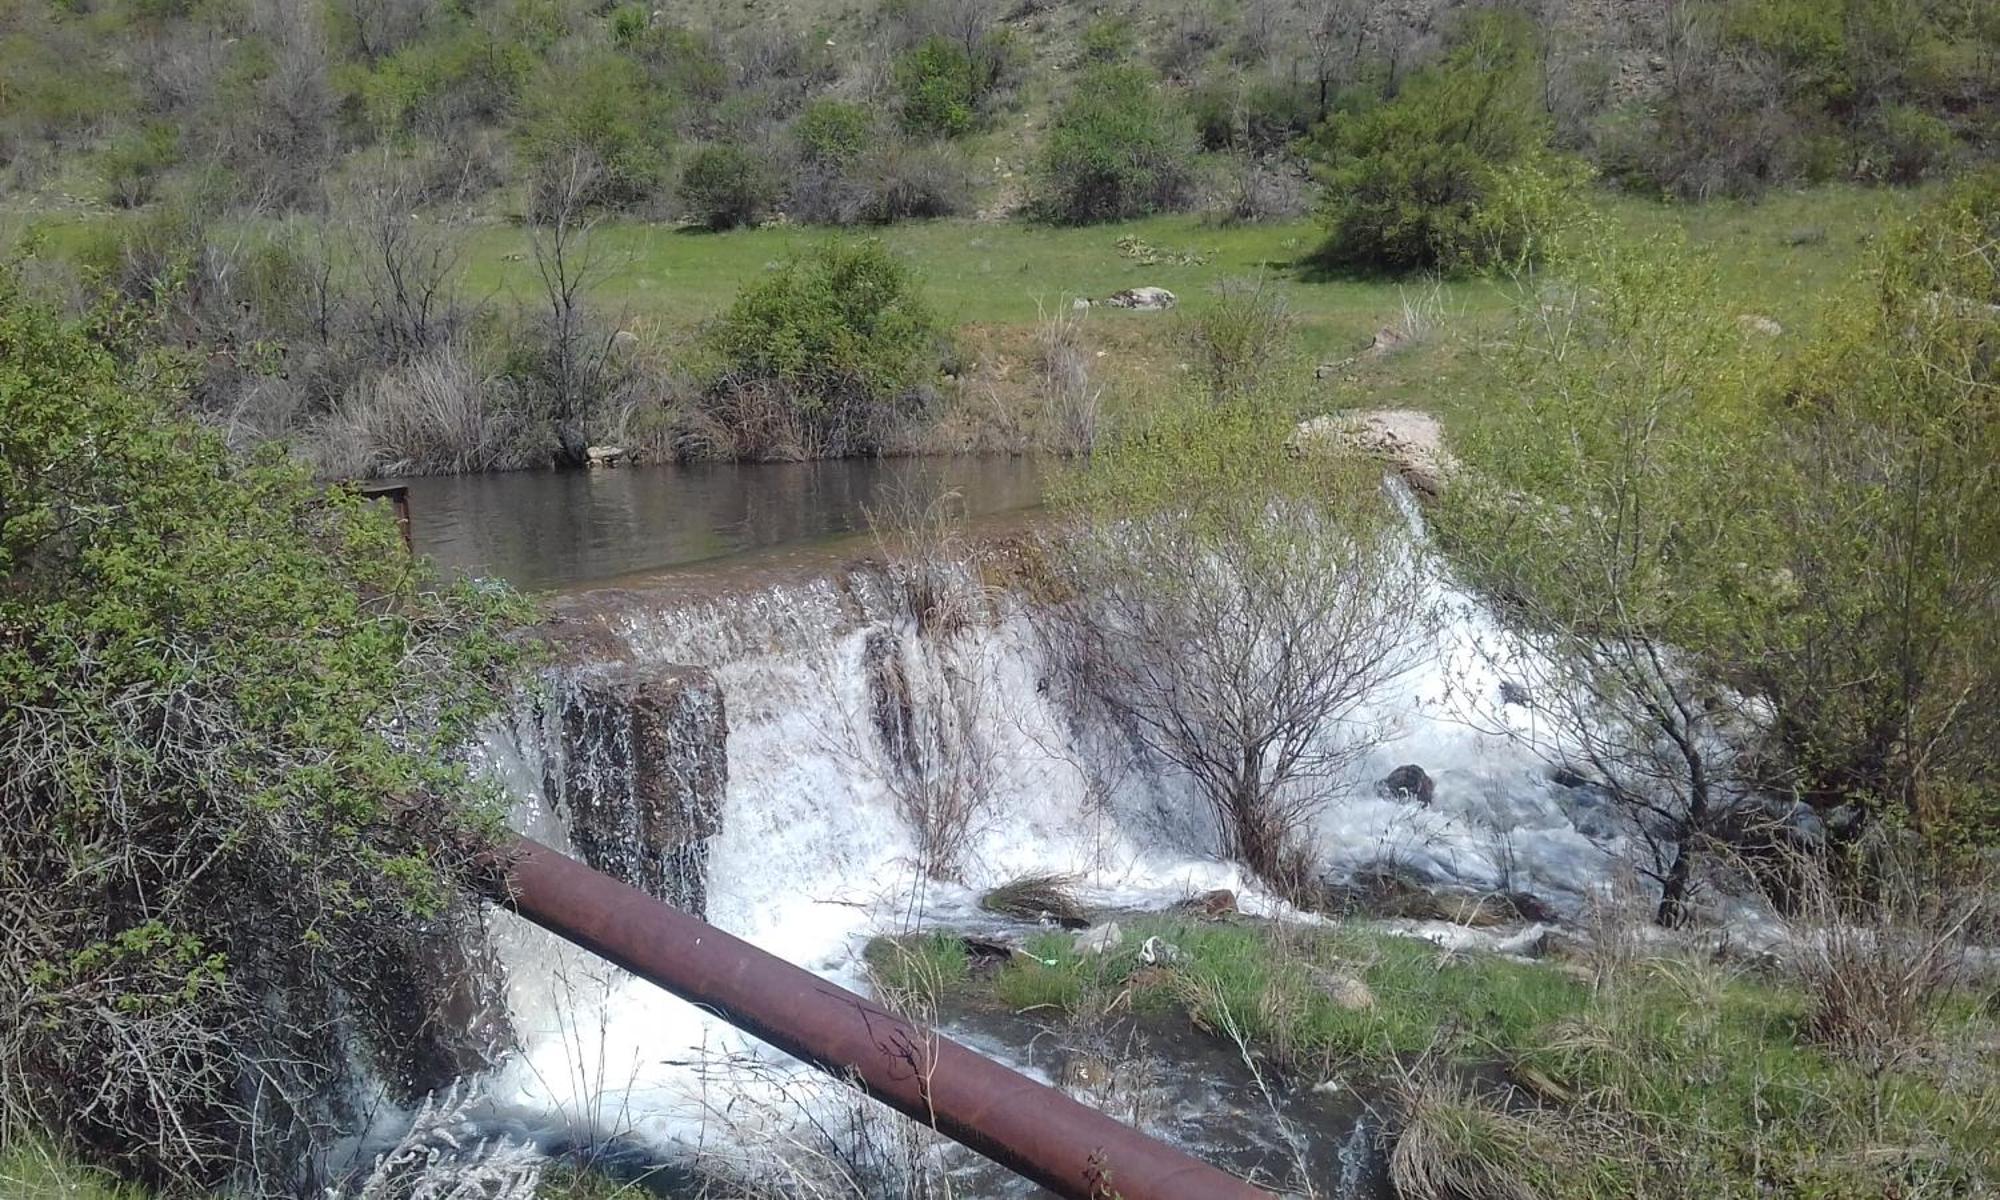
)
(605, 456)
(1101, 940)
(1143, 299)
(642, 775)
(1408, 782)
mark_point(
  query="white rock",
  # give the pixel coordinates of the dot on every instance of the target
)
(1143, 299)
(1101, 940)
(1408, 441)
(605, 456)
(1158, 953)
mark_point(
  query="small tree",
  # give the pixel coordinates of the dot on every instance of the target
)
(1603, 515)
(575, 354)
(1117, 148)
(941, 88)
(1234, 609)
(1454, 172)
(724, 186)
(603, 108)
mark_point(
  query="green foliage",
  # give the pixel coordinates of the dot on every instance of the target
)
(238, 815)
(1896, 85)
(833, 132)
(1108, 39)
(601, 111)
(30, 1169)
(844, 333)
(629, 23)
(941, 86)
(724, 186)
(462, 70)
(1117, 148)
(1887, 512)
(922, 965)
(1243, 342)
(134, 161)
(1455, 171)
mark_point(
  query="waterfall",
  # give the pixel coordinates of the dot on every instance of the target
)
(770, 756)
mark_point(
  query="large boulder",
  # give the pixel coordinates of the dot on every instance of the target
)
(1408, 442)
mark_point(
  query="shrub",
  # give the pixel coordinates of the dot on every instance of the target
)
(464, 71)
(724, 186)
(599, 106)
(1454, 172)
(1911, 143)
(1115, 149)
(1109, 39)
(941, 88)
(832, 132)
(1244, 340)
(839, 344)
(238, 819)
(904, 181)
(134, 161)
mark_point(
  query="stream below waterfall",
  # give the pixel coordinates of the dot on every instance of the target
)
(785, 809)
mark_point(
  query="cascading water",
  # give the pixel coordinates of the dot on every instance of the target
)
(775, 755)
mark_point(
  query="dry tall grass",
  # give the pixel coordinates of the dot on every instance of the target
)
(436, 414)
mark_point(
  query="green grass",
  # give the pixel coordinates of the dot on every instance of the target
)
(921, 965)
(980, 273)
(31, 1170)
(1675, 1078)
(1269, 982)
(1779, 257)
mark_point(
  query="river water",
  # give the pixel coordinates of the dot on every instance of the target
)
(545, 530)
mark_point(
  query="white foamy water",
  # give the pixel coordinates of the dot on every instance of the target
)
(814, 857)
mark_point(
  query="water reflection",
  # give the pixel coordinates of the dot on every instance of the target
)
(548, 529)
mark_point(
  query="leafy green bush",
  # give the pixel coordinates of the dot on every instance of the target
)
(1109, 39)
(941, 86)
(1117, 148)
(231, 758)
(599, 107)
(134, 161)
(1911, 143)
(832, 131)
(726, 185)
(836, 348)
(461, 71)
(1454, 172)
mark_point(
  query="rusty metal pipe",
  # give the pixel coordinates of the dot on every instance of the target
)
(1027, 1127)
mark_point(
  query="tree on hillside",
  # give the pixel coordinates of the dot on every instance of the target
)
(1455, 170)
(1233, 609)
(1602, 513)
(1117, 148)
(236, 817)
